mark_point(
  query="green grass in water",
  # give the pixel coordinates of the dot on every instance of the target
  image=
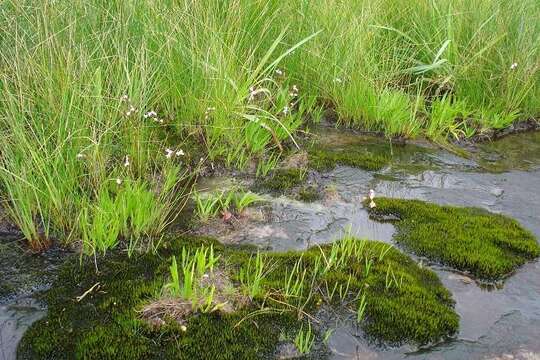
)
(489, 246)
(105, 324)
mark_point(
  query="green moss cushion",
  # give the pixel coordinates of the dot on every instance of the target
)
(405, 303)
(489, 246)
(326, 159)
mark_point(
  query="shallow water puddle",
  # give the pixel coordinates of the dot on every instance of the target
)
(15, 318)
(22, 275)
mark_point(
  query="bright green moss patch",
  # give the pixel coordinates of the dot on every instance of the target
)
(106, 324)
(490, 246)
(326, 159)
(405, 303)
(282, 179)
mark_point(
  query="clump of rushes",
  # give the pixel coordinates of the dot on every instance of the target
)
(195, 295)
(419, 310)
(282, 179)
(211, 204)
(489, 246)
(304, 339)
(326, 159)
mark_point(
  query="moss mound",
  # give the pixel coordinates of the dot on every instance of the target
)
(489, 246)
(322, 159)
(105, 324)
(282, 179)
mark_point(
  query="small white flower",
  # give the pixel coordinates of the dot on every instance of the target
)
(371, 194)
(338, 80)
(285, 110)
(150, 114)
(252, 93)
(180, 152)
(294, 92)
(80, 156)
(126, 161)
(169, 153)
(372, 204)
(131, 110)
(124, 98)
(183, 328)
(513, 66)
(119, 181)
(279, 72)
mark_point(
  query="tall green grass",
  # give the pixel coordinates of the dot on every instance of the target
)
(86, 83)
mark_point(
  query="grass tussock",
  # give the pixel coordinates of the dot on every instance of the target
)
(489, 246)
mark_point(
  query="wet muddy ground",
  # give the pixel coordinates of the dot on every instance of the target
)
(496, 322)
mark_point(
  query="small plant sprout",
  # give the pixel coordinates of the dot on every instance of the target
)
(304, 339)
(174, 284)
(361, 308)
(244, 199)
(344, 290)
(391, 279)
(367, 266)
(207, 205)
(295, 282)
(384, 251)
(252, 274)
(265, 166)
(327, 335)
(193, 268)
